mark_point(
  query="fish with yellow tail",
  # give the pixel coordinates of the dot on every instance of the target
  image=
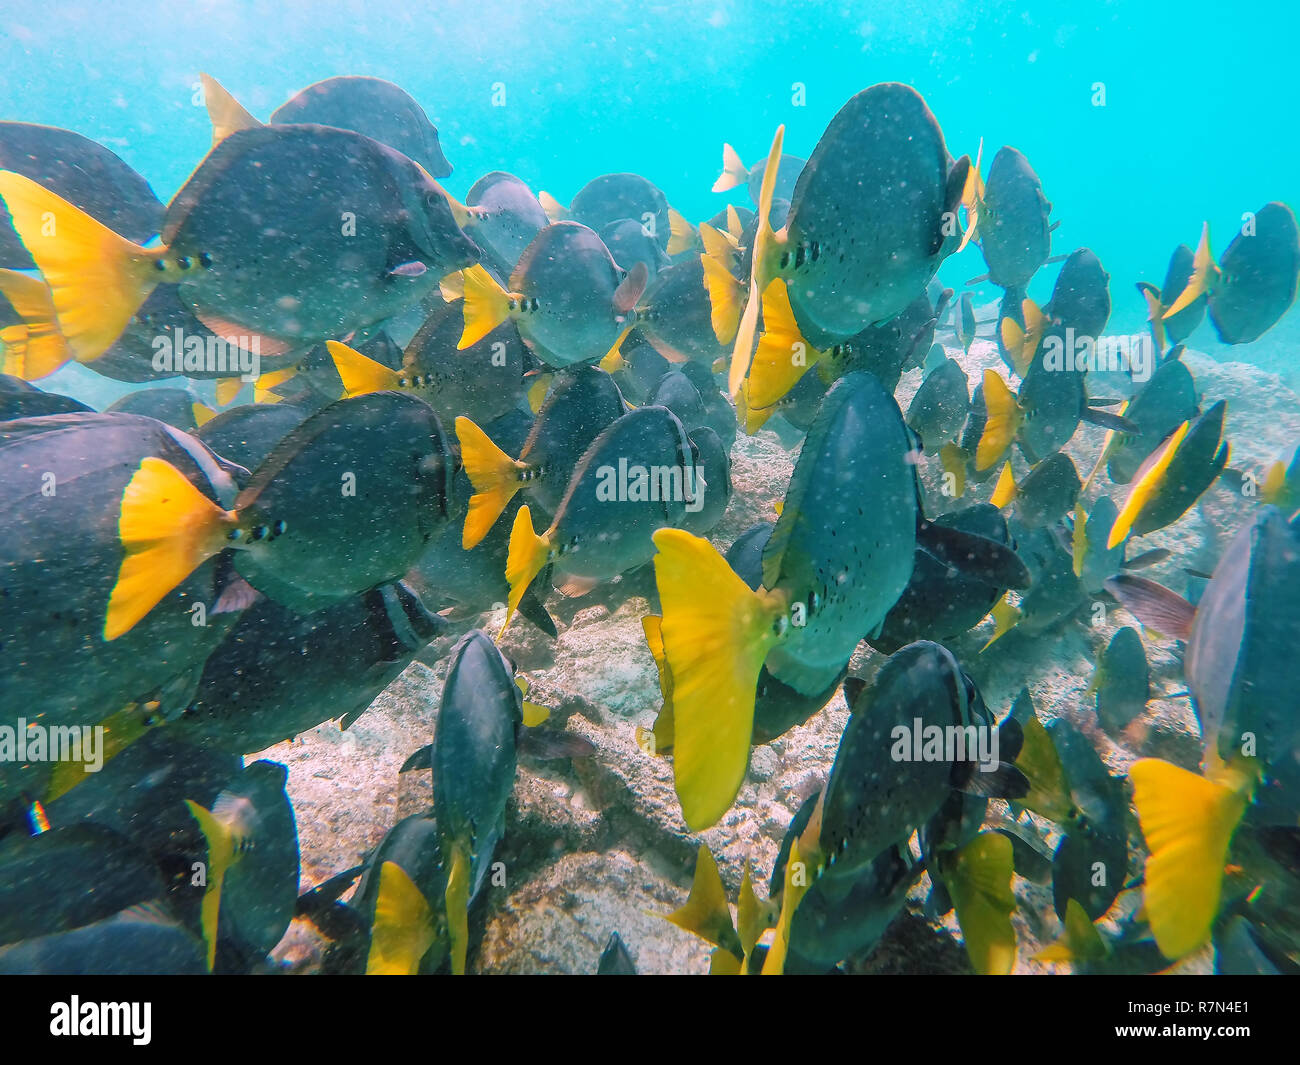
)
(1246, 623)
(873, 214)
(572, 303)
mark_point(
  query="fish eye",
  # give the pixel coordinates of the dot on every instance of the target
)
(279, 527)
(205, 260)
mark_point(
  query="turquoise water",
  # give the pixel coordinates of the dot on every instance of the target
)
(1198, 94)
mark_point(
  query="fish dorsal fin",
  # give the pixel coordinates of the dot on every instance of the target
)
(228, 115)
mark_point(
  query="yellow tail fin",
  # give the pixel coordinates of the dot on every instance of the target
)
(554, 209)
(1273, 490)
(1005, 618)
(487, 305)
(1145, 486)
(716, 633)
(1155, 313)
(262, 387)
(683, 235)
(1188, 823)
(360, 374)
(221, 852)
(168, 528)
(456, 898)
(660, 738)
(227, 114)
(761, 268)
(1004, 418)
(97, 278)
(527, 558)
(953, 459)
(36, 348)
(733, 173)
(783, 356)
(706, 913)
(1204, 276)
(972, 198)
(717, 245)
(797, 882)
(1005, 490)
(980, 884)
(452, 287)
(402, 932)
(734, 227)
(725, 296)
(494, 475)
(750, 420)
(121, 729)
(538, 389)
(227, 389)
(202, 413)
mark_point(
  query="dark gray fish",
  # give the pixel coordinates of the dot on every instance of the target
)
(63, 478)
(371, 106)
(939, 408)
(713, 466)
(612, 197)
(1122, 681)
(140, 941)
(675, 315)
(279, 673)
(629, 244)
(175, 406)
(19, 399)
(507, 220)
(940, 602)
(879, 792)
(1047, 491)
(1165, 402)
(84, 173)
(246, 435)
(361, 232)
(69, 876)
(1258, 277)
(1014, 231)
(356, 493)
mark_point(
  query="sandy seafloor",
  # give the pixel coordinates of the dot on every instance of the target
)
(597, 844)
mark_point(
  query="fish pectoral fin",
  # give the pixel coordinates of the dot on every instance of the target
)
(241, 336)
(532, 608)
(167, 528)
(528, 556)
(360, 374)
(97, 278)
(403, 929)
(1188, 822)
(631, 288)
(716, 634)
(226, 113)
(494, 475)
(979, 882)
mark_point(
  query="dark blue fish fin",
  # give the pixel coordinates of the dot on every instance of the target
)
(1011, 738)
(853, 687)
(1005, 782)
(531, 607)
(614, 959)
(1107, 420)
(972, 555)
(421, 759)
(938, 902)
(951, 201)
(549, 744)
